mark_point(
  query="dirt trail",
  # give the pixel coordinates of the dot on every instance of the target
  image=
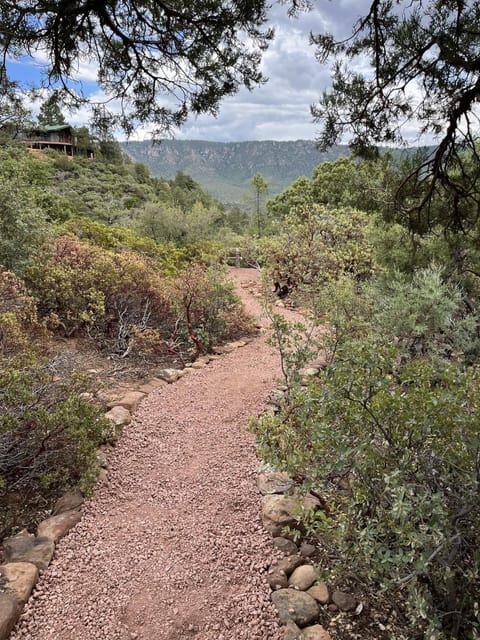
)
(171, 546)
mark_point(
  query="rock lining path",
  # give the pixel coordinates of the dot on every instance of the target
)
(171, 545)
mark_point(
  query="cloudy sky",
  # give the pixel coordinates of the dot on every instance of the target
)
(278, 110)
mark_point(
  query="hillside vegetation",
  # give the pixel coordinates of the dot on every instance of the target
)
(101, 256)
(226, 168)
(386, 432)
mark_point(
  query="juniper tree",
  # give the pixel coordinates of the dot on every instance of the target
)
(424, 71)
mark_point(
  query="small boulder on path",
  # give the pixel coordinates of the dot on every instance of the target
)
(286, 546)
(70, 501)
(20, 578)
(151, 385)
(129, 401)
(169, 375)
(279, 511)
(320, 593)
(344, 601)
(9, 612)
(277, 580)
(307, 549)
(28, 548)
(294, 605)
(56, 527)
(316, 632)
(119, 416)
(303, 577)
(272, 482)
(291, 631)
(287, 565)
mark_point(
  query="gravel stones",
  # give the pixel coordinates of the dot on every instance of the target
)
(303, 577)
(294, 605)
(20, 578)
(58, 526)
(28, 548)
(8, 614)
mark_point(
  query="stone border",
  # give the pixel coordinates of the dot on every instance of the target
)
(298, 594)
(27, 554)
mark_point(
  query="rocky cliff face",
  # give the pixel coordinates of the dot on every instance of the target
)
(226, 168)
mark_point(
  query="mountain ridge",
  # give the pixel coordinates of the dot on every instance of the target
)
(225, 169)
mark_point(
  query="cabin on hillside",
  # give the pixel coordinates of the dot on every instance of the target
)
(59, 137)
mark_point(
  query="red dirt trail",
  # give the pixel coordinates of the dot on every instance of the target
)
(171, 546)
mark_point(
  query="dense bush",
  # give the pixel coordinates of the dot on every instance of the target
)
(48, 439)
(319, 244)
(113, 297)
(405, 437)
(19, 327)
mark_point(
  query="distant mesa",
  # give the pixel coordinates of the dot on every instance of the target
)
(226, 168)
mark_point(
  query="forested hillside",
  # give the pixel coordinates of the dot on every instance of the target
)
(226, 168)
(100, 264)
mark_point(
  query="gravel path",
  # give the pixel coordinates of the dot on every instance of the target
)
(171, 546)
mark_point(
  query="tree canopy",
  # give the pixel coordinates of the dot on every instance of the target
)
(50, 111)
(424, 72)
(160, 59)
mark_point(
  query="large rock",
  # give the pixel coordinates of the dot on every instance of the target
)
(58, 526)
(303, 577)
(9, 612)
(70, 501)
(20, 578)
(320, 593)
(151, 385)
(271, 482)
(130, 401)
(170, 375)
(281, 511)
(294, 605)
(277, 513)
(316, 632)
(28, 548)
(307, 549)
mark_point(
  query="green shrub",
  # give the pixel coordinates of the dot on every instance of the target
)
(317, 245)
(48, 438)
(19, 327)
(405, 436)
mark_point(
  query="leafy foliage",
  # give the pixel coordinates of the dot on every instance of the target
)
(48, 439)
(423, 69)
(406, 439)
(317, 244)
(145, 51)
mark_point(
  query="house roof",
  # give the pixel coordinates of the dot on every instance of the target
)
(56, 127)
